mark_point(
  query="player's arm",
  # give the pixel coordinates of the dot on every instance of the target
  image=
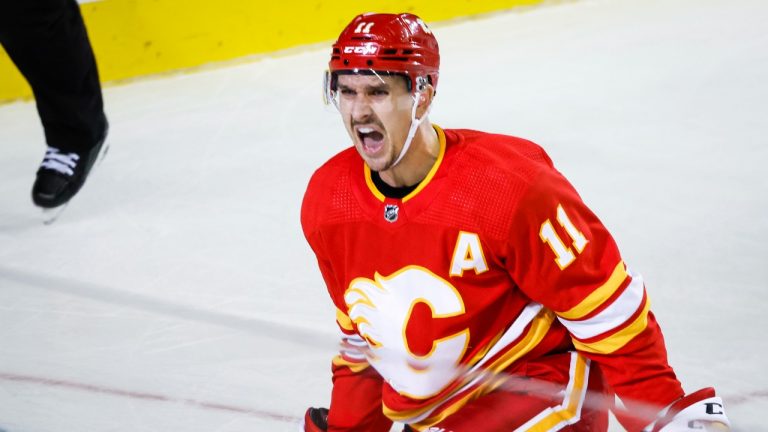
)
(356, 395)
(355, 404)
(564, 258)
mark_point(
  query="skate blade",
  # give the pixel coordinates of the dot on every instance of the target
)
(50, 215)
(102, 154)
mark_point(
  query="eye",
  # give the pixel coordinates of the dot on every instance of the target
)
(347, 92)
(379, 92)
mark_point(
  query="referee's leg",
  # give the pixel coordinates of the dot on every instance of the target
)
(48, 42)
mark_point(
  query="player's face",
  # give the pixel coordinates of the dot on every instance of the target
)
(377, 114)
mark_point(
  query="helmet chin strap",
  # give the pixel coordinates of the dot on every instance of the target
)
(415, 123)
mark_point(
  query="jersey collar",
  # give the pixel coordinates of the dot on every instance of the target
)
(375, 191)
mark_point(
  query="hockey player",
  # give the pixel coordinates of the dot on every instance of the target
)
(475, 291)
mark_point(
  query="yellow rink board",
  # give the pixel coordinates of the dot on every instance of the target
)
(133, 38)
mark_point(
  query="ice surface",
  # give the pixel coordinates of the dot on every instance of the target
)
(177, 292)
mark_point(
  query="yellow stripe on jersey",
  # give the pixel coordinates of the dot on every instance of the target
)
(553, 419)
(435, 167)
(372, 187)
(355, 359)
(598, 296)
(480, 391)
(538, 329)
(615, 315)
(344, 321)
(380, 196)
(620, 338)
(353, 366)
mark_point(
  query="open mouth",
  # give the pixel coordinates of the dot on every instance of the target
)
(371, 139)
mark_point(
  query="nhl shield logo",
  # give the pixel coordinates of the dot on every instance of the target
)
(390, 212)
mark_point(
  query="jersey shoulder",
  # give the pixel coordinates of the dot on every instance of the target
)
(521, 158)
(486, 180)
(328, 194)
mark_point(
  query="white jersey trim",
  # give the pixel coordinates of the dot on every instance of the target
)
(612, 316)
(510, 336)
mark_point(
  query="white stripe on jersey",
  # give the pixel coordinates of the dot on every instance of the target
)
(511, 335)
(612, 316)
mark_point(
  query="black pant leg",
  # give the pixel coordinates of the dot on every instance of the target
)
(48, 42)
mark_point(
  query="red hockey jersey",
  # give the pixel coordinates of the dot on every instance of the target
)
(493, 259)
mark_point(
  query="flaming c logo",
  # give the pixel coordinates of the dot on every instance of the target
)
(382, 309)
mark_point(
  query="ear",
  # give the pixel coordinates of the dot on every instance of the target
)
(425, 100)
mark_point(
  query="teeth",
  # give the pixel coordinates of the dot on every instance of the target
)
(365, 130)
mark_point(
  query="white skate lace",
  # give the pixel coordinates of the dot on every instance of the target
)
(62, 162)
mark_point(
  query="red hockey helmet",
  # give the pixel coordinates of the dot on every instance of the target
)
(391, 43)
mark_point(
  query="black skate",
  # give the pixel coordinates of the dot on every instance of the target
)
(61, 175)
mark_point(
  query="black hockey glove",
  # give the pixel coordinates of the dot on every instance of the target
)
(316, 420)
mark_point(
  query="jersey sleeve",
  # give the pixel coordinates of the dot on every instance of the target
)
(562, 256)
(356, 395)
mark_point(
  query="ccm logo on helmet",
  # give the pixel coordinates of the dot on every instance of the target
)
(364, 50)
